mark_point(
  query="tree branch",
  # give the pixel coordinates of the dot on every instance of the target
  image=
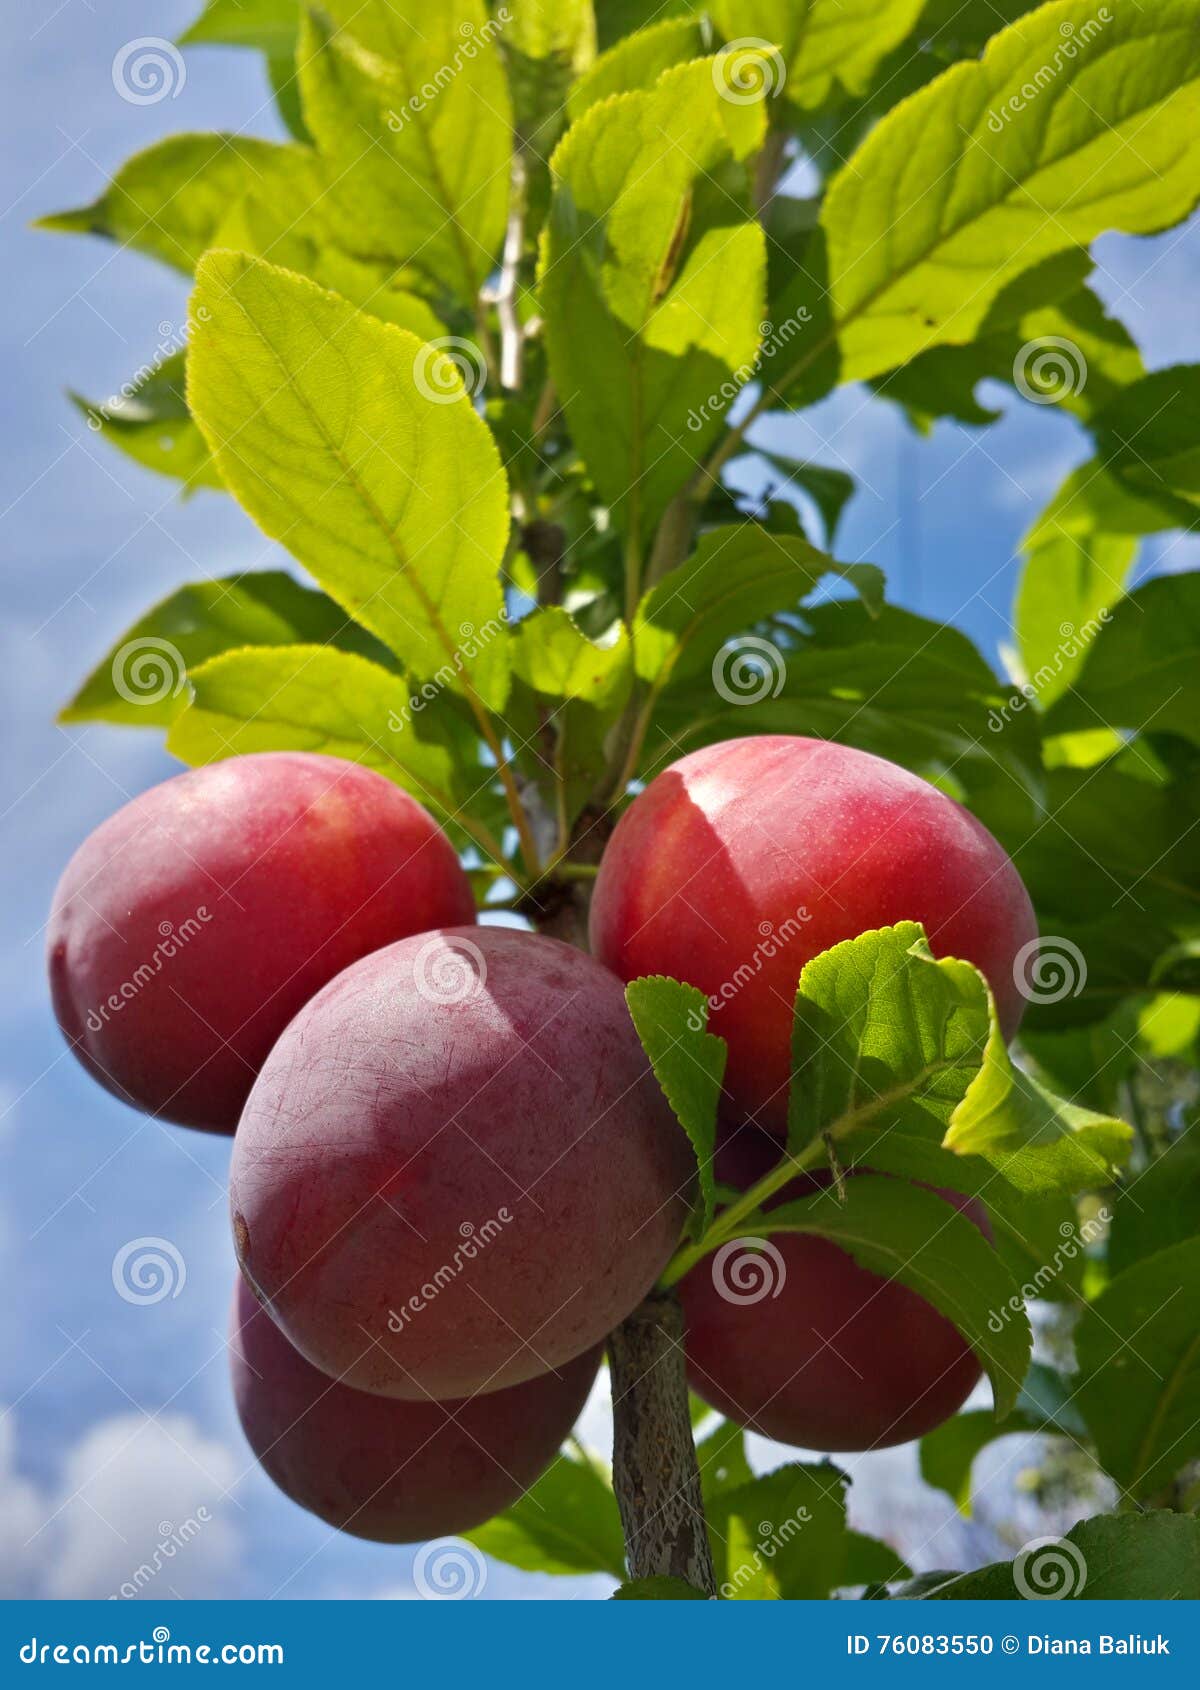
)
(655, 1473)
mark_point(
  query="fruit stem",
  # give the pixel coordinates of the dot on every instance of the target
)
(655, 1473)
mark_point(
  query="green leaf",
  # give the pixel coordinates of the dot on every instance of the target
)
(904, 1233)
(736, 577)
(870, 1561)
(689, 1064)
(1113, 872)
(721, 1458)
(829, 489)
(1143, 669)
(659, 1589)
(269, 25)
(149, 421)
(1042, 1241)
(1138, 1350)
(886, 1034)
(637, 62)
(577, 691)
(553, 656)
(354, 444)
(1065, 351)
(409, 105)
(168, 200)
(547, 46)
(141, 680)
(1094, 498)
(974, 178)
(902, 686)
(947, 1454)
(290, 226)
(1068, 586)
(615, 18)
(782, 1535)
(1113, 1558)
(566, 1523)
(315, 698)
(652, 278)
(1159, 1207)
(826, 51)
(1148, 434)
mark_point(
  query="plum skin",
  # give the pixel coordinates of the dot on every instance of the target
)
(189, 928)
(742, 861)
(394, 1472)
(456, 1169)
(841, 1359)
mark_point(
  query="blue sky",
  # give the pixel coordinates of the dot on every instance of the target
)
(120, 1422)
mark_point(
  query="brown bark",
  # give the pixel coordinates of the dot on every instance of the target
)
(655, 1474)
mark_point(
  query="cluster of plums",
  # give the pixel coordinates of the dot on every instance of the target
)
(454, 1172)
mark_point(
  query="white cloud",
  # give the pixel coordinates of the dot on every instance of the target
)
(139, 1509)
